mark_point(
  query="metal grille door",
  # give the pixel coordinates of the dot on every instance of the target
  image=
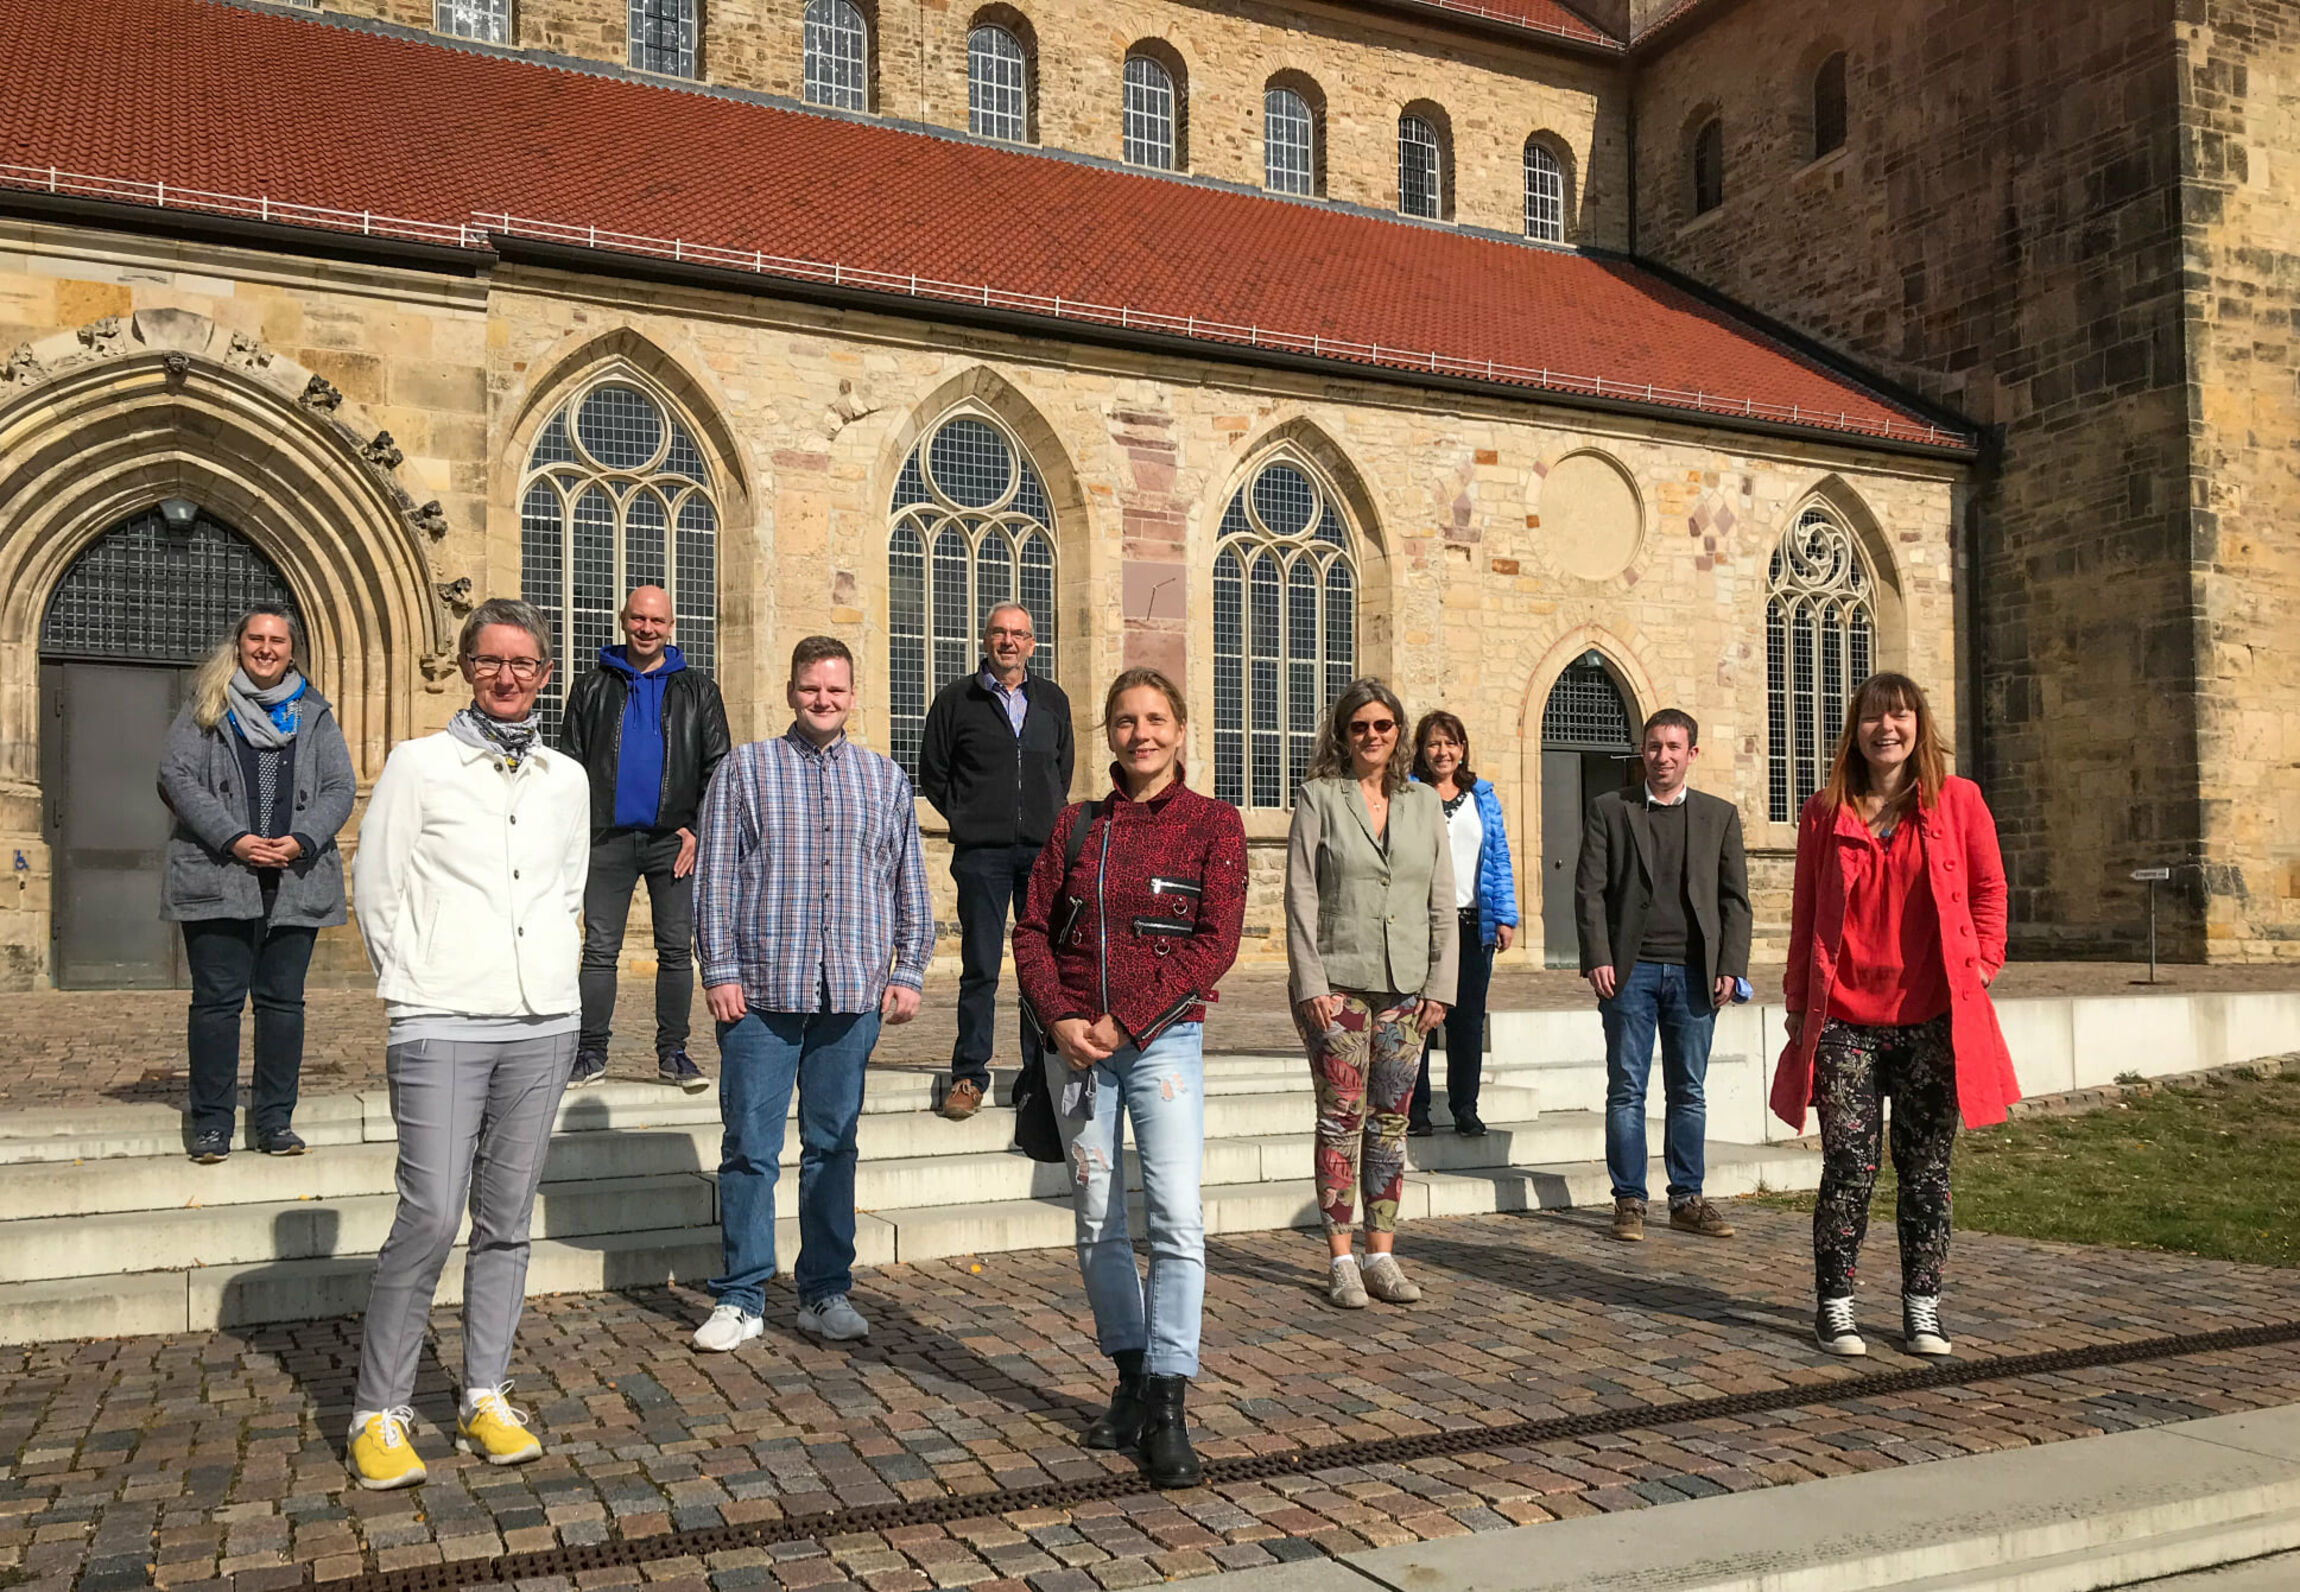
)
(1588, 747)
(145, 593)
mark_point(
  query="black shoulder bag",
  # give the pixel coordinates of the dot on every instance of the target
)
(1036, 1134)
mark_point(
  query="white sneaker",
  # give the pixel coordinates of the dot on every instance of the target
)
(834, 1320)
(730, 1327)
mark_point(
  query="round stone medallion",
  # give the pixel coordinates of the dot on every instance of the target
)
(1591, 523)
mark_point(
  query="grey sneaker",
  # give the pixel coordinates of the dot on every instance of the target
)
(1345, 1284)
(833, 1320)
(1386, 1281)
(676, 1066)
(730, 1327)
(590, 1067)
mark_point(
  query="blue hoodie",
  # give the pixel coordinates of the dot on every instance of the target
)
(639, 756)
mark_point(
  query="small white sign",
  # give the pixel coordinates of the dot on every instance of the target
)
(2151, 875)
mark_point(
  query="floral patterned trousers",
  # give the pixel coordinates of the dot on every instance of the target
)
(1854, 1069)
(1365, 1070)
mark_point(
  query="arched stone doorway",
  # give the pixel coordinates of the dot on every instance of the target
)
(1588, 747)
(135, 613)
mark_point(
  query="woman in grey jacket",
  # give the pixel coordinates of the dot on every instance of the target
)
(257, 775)
(1370, 931)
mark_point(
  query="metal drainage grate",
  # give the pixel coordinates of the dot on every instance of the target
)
(1293, 1462)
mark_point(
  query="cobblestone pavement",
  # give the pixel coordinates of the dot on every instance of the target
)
(91, 1046)
(214, 1460)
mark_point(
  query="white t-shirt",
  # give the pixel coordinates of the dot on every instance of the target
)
(1466, 831)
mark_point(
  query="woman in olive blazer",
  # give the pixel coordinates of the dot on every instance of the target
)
(1370, 930)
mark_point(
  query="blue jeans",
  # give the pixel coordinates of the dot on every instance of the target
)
(1163, 1090)
(1664, 996)
(759, 1058)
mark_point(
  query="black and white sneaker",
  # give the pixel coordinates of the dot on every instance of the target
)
(212, 1146)
(1834, 1331)
(676, 1067)
(1921, 1329)
(281, 1141)
(590, 1068)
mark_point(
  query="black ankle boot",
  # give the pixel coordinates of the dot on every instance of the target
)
(1120, 1427)
(1166, 1458)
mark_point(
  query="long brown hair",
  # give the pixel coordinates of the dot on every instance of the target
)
(1434, 720)
(1331, 759)
(1849, 770)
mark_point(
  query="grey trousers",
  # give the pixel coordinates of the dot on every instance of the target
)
(474, 1123)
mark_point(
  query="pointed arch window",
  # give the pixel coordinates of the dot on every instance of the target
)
(1820, 643)
(972, 527)
(1285, 630)
(837, 50)
(617, 495)
(997, 85)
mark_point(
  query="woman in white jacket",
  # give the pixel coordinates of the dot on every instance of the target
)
(467, 882)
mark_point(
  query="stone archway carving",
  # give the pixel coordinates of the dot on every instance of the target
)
(99, 423)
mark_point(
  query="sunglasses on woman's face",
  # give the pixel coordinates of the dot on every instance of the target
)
(1372, 726)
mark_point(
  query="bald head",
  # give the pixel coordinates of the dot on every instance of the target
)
(646, 627)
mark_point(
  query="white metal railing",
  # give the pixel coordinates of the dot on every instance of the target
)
(476, 232)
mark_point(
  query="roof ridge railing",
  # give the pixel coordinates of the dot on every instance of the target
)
(476, 232)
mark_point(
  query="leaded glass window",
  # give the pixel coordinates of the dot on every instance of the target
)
(972, 527)
(837, 55)
(617, 496)
(1147, 115)
(1418, 173)
(1544, 194)
(1289, 142)
(1285, 630)
(1820, 644)
(488, 21)
(997, 85)
(663, 36)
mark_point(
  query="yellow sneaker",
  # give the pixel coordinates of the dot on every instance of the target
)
(380, 1456)
(495, 1431)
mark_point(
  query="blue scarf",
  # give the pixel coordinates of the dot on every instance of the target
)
(266, 719)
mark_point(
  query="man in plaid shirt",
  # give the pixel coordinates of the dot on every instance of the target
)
(813, 926)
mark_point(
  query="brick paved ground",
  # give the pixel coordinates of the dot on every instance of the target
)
(75, 1047)
(200, 1460)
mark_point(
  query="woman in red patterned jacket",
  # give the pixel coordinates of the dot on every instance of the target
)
(1129, 925)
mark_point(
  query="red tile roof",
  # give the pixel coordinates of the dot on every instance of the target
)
(189, 102)
(1535, 16)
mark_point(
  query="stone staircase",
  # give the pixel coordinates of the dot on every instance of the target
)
(106, 1229)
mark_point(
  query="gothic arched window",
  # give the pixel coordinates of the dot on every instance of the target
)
(837, 47)
(1285, 630)
(617, 496)
(997, 85)
(1820, 643)
(1544, 193)
(972, 528)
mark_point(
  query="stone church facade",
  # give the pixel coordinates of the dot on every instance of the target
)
(391, 418)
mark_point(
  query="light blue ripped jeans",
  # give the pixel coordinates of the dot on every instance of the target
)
(1163, 1090)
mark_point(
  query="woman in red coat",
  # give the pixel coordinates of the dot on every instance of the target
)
(1897, 929)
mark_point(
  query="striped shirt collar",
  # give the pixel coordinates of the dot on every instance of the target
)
(798, 739)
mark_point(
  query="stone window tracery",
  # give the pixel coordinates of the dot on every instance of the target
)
(617, 495)
(1285, 629)
(488, 21)
(837, 55)
(997, 85)
(1820, 643)
(972, 527)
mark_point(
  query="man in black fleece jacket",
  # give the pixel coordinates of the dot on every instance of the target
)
(995, 762)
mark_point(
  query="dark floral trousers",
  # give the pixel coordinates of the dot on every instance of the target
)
(1854, 1069)
(1365, 1074)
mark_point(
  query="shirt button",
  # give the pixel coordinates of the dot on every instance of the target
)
(515, 873)
(515, 818)
(522, 933)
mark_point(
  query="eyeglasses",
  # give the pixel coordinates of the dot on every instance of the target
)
(1011, 635)
(520, 669)
(1372, 726)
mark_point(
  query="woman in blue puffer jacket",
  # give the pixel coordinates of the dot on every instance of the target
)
(1485, 889)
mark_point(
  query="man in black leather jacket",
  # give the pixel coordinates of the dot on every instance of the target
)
(995, 762)
(650, 731)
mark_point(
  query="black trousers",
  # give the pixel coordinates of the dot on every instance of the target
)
(234, 961)
(992, 881)
(620, 858)
(1464, 1029)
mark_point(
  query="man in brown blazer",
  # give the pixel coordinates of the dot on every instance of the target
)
(1662, 899)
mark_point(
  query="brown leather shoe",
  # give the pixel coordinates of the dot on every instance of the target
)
(1697, 1215)
(962, 1100)
(1629, 1219)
